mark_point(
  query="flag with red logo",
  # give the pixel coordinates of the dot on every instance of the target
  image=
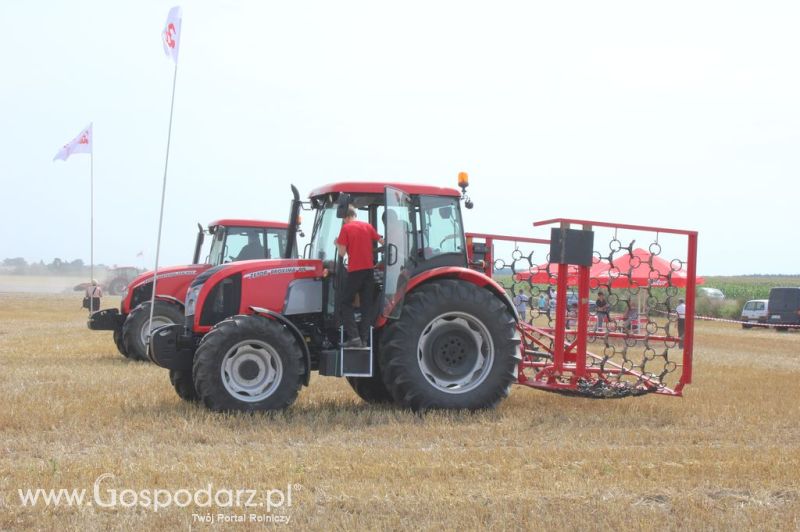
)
(80, 144)
(171, 36)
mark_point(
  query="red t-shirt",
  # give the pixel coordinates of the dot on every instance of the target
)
(357, 237)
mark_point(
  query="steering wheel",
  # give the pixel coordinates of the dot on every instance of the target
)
(445, 239)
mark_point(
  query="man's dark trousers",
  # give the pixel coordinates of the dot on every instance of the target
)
(361, 282)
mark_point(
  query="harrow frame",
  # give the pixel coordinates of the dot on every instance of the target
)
(558, 358)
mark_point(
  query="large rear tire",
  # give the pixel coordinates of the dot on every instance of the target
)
(136, 328)
(183, 384)
(248, 363)
(455, 346)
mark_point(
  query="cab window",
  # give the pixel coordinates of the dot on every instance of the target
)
(441, 230)
(244, 243)
(326, 229)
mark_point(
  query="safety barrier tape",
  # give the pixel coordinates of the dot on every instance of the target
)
(754, 324)
(739, 322)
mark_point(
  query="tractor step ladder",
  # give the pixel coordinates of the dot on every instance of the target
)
(347, 361)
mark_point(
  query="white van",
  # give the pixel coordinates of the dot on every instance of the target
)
(755, 311)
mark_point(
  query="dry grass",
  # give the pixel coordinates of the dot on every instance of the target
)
(725, 456)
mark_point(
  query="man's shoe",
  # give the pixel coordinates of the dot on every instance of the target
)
(353, 342)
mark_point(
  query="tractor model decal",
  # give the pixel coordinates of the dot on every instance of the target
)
(279, 271)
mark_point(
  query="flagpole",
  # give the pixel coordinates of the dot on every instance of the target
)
(91, 227)
(163, 194)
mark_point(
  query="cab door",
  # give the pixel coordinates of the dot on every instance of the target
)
(399, 247)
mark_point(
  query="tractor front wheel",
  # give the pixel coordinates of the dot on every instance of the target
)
(119, 343)
(183, 384)
(136, 328)
(455, 346)
(248, 363)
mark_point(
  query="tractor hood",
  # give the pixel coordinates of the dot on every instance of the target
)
(188, 271)
(234, 288)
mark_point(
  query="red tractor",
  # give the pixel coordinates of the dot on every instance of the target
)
(444, 335)
(232, 240)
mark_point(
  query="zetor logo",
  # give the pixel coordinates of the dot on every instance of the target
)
(279, 271)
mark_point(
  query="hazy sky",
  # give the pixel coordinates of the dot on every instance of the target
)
(680, 114)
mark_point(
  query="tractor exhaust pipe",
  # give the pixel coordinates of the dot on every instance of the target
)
(198, 246)
(294, 215)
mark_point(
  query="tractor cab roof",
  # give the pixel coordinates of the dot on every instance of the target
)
(240, 222)
(372, 187)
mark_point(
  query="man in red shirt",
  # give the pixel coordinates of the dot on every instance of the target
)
(355, 240)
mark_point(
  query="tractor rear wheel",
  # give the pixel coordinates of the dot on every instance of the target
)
(183, 384)
(136, 328)
(248, 363)
(119, 343)
(455, 346)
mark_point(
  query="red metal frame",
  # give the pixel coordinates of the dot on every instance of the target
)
(567, 363)
(236, 222)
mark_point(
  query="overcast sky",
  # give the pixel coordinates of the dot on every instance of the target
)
(678, 114)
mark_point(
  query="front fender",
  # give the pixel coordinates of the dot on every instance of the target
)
(294, 330)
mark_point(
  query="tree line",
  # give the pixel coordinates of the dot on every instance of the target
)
(19, 266)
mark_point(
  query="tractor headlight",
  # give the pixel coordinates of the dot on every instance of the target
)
(191, 299)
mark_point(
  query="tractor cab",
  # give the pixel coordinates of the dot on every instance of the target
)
(421, 226)
(235, 240)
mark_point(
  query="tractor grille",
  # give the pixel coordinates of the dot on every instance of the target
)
(223, 301)
(141, 294)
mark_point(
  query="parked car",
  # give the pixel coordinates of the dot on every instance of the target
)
(784, 307)
(710, 293)
(755, 311)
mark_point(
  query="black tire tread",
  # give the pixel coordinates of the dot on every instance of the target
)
(183, 384)
(131, 338)
(401, 370)
(225, 334)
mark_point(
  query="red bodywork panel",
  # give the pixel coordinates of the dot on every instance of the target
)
(264, 283)
(355, 187)
(173, 281)
(237, 222)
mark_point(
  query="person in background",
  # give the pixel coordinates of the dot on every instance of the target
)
(680, 310)
(252, 250)
(542, 303)
(91, 300)
(630, 319)
(601, 309)
(355, 240)
(521, 301)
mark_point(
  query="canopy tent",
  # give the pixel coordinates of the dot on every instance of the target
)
(627, 270)
(641, 268)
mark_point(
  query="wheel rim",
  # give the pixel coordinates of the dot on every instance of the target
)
(455, 352)
(158, 321)
(251, 371)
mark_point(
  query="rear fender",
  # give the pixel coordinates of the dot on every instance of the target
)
(280, 318)
(463, 274)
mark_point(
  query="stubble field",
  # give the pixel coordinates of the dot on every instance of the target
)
(723, 457)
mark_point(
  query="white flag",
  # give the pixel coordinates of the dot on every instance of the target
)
(80, 144)
(171, 36)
